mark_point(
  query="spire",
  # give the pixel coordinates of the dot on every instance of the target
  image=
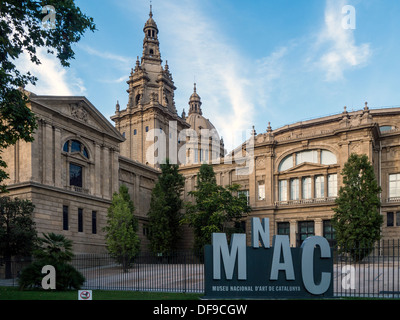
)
(151, 50)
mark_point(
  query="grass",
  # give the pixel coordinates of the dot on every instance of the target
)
(13, 293)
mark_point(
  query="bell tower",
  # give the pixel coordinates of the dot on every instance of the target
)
(151, 46)
(151, 104)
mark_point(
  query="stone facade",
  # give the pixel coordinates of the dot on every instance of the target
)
(72, 169)
(294, 172)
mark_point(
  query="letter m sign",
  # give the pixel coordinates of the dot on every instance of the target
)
(237, 251)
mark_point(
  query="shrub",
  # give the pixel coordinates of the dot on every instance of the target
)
(55, 250)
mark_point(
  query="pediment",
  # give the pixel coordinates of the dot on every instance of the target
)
(78, 156)
(306, 166)
(79, 109)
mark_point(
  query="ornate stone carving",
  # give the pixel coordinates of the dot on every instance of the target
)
(78, 111)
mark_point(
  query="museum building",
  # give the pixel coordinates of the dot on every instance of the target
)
(290, 175)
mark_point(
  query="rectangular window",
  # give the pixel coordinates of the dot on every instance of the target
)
(329, 232)
(65, 217)
(282, 190)
(75, 175)
(306, 188)
(261, 191)
(294, 189)
(147, 128)
(205, 155)
(332, 185)
(319, 187)
(94, 222)
(134, 132)
(80, 220)
(397, 219)
(389, 219)
(146, 230)
(245, 193)
(306, 229)
(284, 228)
(394, 185)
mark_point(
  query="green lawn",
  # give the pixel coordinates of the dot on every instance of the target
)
(13, 293)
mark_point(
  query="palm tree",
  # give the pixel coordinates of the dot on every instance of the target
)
(54, 248)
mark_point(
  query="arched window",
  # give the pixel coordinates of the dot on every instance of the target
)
(73, 146)
(324, 157)
(286, 163)
(137, 99)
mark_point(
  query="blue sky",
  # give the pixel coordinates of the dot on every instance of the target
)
(254, 62)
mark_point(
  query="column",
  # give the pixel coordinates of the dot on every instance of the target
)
(48, 151)
(288, 188)
(318, 230)
(97, 170)
(325, 185)
(114, 171)
(105, 171)
(57, 158)
(313, 187)
(269, 180)
(293, 232)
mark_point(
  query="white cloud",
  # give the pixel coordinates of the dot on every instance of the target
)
(341, 51)
(106, 55)
(53, 79)
(232, 86)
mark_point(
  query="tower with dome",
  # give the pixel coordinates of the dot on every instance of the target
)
(150, 120)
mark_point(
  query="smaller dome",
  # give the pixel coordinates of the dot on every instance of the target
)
(195, 103)
(150, 23)
(195, 118)
(194, 97)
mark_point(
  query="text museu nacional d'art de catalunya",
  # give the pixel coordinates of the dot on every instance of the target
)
(267, 271)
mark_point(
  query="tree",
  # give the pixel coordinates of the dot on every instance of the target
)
(216, 208)
(121, 229)
(165, 210)
(22, 30)
(357, 221)
(54, 250)
(17, 229)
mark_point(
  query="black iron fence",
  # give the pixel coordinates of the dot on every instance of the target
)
(369, 271)
(178, 272)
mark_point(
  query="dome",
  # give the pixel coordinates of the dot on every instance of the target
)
(198, 122)
(196, 119)
(150, 23)
(194, 97)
